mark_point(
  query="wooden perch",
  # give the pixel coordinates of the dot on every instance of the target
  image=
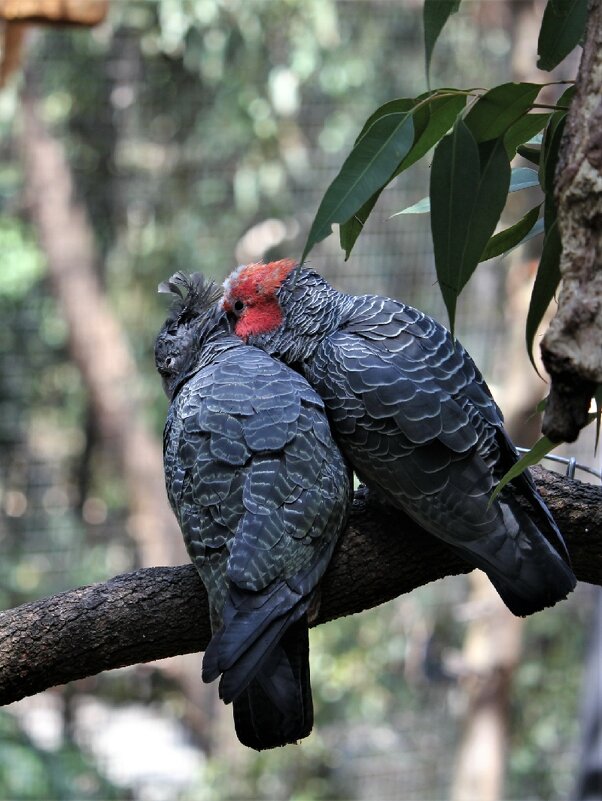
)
(159, 612)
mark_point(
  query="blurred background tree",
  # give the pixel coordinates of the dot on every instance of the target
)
(194, 135)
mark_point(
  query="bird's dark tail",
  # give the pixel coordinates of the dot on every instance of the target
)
(524, 554)
(543, 573)
(262, 655)
(276, 707)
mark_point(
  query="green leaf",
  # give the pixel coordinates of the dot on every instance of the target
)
(367, 169)
(530, 152)
(350, 230)
(469, 185)
(541, 448)
(550, 148)
(435, 14)
(546, 283)
(561, 30)
(401, 105)
(547, 165)
(523, 130)
(521, 178)
(432, 119)
(499, 108)
(523, 230)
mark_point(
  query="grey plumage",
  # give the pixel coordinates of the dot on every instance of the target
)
(414, 417)
(261, 493)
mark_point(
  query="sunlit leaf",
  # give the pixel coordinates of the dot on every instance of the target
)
(513, 236)
(523, 178)
(541, 448)
(546, 283)
(433, 117)
(598, 415)
(469, 185)
(421, 207)
(499, 108)
(561, 30)
(435, 14)
(367, 169)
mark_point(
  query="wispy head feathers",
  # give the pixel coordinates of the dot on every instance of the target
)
(194, 295)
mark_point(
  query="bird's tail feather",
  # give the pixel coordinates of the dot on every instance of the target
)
(523, 565)
(276, 707)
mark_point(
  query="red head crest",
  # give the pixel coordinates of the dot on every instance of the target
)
(250, 294)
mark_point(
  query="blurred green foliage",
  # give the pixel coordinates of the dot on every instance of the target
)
(30, 773)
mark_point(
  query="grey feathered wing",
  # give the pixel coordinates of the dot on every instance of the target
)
(262, 495)
(418, 424)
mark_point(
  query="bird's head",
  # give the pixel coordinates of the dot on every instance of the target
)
(285, 309)
(251, 297)
(192, 316)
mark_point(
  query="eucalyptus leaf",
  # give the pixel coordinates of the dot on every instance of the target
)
(431, 122)
(546, 283)
(504, 241)
(469, 185)
(551, 148)
(400, 105)
(562, 28)
(421, 207)
(523, 178)
(531, 153)
(500, 108)
(541, 448)
(435, 14)
(350, 230)
(368, 168)
(433, 117)
(524, 130)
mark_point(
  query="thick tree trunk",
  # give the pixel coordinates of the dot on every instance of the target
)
(97, 342)
(571, 347)
(161, 612)
(491, 652)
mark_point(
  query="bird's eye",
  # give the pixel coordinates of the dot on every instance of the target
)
(238, 306)
(169, 361)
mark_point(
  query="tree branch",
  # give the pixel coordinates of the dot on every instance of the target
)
(571, 346)
(159, 612)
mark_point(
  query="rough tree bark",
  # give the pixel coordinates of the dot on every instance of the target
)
(159, 612)
(571, 347)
